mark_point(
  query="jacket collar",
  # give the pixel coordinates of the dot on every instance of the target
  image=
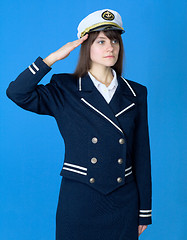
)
(123, 100)
(86, 85)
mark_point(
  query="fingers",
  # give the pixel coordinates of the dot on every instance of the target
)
(80, 40)
(65, 50)
(141, 228)
(76, 43)
(84, 38)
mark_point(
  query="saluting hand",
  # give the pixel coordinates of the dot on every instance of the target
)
(64, 51)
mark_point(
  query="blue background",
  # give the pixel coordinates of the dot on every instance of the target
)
(31, 150)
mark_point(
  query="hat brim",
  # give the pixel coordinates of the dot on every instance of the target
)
(102, 27)
(107, 28)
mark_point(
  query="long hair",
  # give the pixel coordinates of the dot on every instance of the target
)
(84, 62)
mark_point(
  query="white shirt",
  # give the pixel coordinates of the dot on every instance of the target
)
(109, 91)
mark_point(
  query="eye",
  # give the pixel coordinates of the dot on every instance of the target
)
(115, 41)
(101, 42)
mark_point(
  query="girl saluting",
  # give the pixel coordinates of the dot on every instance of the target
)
(106, 189)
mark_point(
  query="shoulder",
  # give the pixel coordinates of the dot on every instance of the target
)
(139, 89)
(63, 76)
(64, 79)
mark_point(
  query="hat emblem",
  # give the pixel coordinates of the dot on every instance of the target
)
(108, 15)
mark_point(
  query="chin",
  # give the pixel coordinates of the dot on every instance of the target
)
(110, 64)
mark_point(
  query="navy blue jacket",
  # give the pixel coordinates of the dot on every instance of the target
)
(106, 145)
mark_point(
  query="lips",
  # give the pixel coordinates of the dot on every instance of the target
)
(109, 57)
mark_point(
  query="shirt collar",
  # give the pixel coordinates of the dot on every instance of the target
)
(113, 83)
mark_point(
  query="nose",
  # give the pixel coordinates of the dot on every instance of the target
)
(110, 46)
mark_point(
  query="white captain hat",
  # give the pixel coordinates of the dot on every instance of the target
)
(105, 19)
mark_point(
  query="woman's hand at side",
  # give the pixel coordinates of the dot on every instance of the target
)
(141, 228)
(64, 51)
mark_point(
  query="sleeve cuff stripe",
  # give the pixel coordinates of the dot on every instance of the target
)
(145, 215)
(145, 211)
(37, 69)
(32, 71)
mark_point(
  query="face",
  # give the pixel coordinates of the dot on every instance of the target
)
(104, 51)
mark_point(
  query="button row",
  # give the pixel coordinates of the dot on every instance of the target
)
(119, 180)
(121, 140)
(94, 160)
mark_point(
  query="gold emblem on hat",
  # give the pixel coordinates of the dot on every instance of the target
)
(108, 15)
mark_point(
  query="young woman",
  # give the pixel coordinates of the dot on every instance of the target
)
(105, 191)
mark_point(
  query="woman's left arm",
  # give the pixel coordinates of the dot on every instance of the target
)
(142, 160)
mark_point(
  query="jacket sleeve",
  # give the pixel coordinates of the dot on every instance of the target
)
(28, 94)
(142, 161)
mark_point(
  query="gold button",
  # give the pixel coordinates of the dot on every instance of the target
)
(121, 141)
(94, 140)
(94, 160)
(92, 180)
(120, 160)
(119, 179)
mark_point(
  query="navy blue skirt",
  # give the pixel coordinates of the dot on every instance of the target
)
(85, 214)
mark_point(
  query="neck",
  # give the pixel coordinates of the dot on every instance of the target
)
(102, 74)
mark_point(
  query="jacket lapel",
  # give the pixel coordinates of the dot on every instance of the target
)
(124, 98)
(119, 103)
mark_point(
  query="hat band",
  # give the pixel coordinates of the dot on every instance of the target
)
(87, 30)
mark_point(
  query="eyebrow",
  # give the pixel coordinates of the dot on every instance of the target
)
(102, 37)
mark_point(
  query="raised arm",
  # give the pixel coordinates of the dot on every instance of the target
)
(42, 99)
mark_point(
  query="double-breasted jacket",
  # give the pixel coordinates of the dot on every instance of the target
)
(106, 145)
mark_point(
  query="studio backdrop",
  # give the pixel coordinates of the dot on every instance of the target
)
(32, 149)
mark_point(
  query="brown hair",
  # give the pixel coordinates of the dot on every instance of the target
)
(84, 62)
